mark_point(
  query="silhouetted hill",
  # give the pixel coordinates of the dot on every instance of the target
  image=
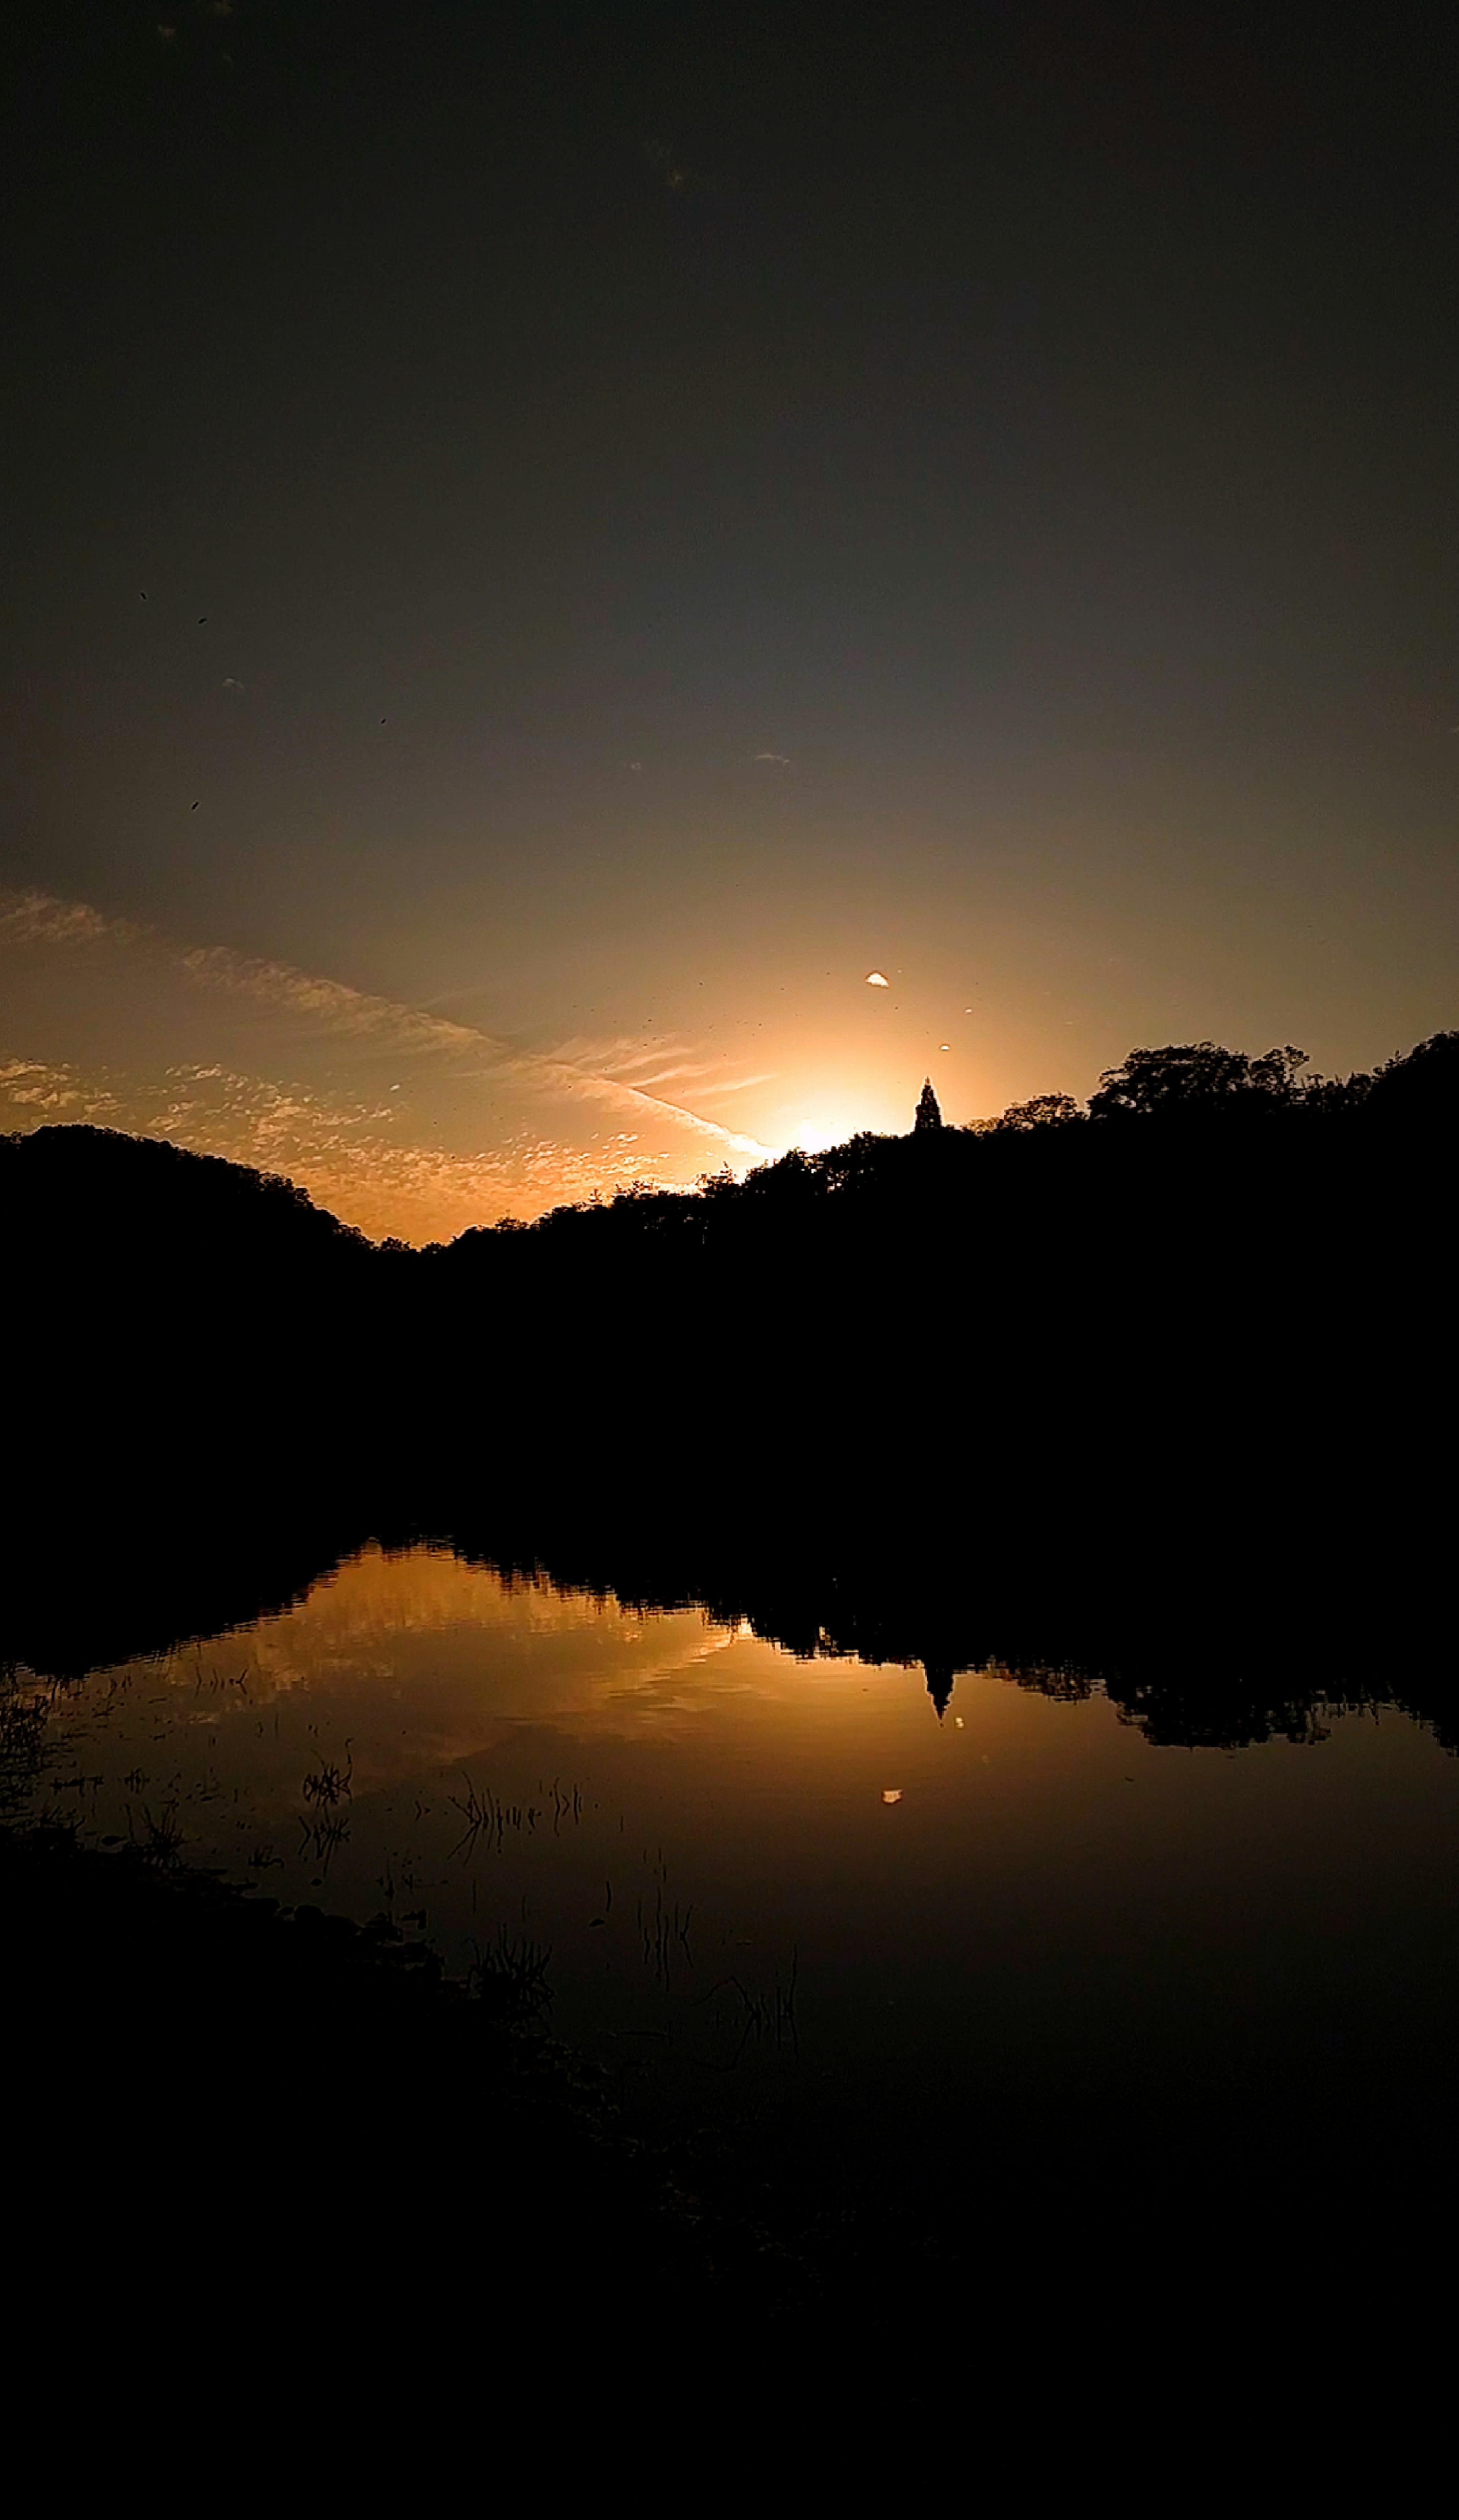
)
(162, 1300)
(1214, 1316)
(70, 1181)
(1171, 1378)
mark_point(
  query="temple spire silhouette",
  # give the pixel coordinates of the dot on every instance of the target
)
(929, 1114)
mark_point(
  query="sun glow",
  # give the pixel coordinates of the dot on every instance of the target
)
(822, 1126)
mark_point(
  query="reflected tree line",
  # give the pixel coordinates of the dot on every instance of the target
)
(1159, 1389)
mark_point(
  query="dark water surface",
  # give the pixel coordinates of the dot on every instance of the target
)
(746, 1878)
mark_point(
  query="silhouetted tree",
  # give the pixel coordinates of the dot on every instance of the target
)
(1113, 1295)
(1423, 1085)
(1044, 1112)
(1193, 1072)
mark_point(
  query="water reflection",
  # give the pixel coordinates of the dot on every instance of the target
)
(726, 1860)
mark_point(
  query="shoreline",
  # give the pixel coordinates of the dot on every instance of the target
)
(316, 2076)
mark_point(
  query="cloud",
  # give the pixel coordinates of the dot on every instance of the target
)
(333, 1005)
(348, 1152)
(783, 758)
(350, 1014)
(384, 1023)
(633, 1066)
(37, 918)
(728, 1084)
(60, 1092)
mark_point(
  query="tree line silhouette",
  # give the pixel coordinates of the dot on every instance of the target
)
(1161, 1387)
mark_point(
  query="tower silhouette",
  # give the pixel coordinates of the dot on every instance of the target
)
(929, 1116)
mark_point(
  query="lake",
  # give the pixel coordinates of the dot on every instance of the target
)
(746, 1879)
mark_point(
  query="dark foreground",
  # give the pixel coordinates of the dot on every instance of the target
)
(1169, 1405)
(238, 2123)
(241, 2093)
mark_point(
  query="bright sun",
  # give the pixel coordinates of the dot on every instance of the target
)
(823, 1127)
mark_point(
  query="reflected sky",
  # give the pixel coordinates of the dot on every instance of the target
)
(736, 1859)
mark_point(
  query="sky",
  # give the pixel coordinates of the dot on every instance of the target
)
(547, 544)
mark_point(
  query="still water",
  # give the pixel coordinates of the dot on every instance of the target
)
(737, 1871)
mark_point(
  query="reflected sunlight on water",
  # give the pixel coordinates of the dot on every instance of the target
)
(699, 1830)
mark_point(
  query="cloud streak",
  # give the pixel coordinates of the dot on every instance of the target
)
(344, 1013)
(352, 1153)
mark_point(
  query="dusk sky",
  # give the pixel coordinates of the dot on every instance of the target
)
(543, 545)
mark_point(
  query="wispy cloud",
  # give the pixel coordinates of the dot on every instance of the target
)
(351, 1156)
(738, 1084)
(38, 918)
(412, 1031)
(351, 1151)
(60, 1093)
(406, 1031)
(332, 1005)
(661, 1060)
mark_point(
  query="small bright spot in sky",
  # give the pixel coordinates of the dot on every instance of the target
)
(891, 1793)
(877, 980)
(945, 1045)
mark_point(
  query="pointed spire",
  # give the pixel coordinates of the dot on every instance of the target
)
(929, 1115)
